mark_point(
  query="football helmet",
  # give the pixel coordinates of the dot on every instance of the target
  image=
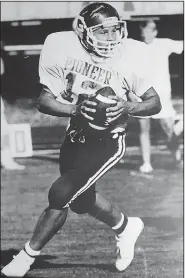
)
(100, 15)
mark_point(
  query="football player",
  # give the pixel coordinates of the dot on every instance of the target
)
(160, 49)
(73, 66)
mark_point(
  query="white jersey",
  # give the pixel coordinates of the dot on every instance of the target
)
(69, 71)
(160, 50)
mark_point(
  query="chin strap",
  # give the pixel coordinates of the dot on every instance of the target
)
(97, 59)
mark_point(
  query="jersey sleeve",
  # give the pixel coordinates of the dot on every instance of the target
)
(174, 46)
(141, 84)
(51, 75)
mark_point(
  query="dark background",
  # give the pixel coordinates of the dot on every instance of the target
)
(21, 78)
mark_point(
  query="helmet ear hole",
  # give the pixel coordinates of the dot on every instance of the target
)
(79, 25)
(84, 34)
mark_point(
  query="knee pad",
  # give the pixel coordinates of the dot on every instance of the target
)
(84, 202)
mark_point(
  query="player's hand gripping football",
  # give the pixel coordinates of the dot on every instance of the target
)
(86, 108)
(114, 112)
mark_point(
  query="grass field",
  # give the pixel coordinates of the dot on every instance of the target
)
(85, 247)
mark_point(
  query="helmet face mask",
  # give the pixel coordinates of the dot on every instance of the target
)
(103, 17)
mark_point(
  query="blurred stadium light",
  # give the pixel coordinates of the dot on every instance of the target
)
(28, 49)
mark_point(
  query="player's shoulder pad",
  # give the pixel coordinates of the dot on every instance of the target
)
(137, 50)
(60, 38)
(134, 44)
(140, 55)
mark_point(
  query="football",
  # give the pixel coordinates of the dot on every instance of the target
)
(103, 102)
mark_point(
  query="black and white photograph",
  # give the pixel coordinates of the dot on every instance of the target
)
(92, 139)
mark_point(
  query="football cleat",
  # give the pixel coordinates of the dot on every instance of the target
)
(19, 266)
(126, 242)
(146, 168)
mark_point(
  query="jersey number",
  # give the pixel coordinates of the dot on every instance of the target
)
(68, 94)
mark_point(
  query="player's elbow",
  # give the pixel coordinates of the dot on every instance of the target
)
(41, 106)
(43, 101)
(157, 105)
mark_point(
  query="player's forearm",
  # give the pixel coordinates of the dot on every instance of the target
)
(52, 107)
(147, 107)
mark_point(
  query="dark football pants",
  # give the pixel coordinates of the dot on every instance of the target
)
(81, 165)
